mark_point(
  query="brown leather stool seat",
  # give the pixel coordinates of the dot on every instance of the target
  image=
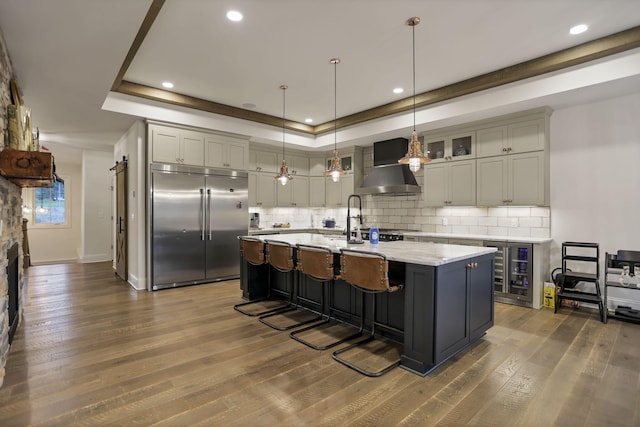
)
(317, 263)
(280, 256)
(252, 250)
(369, 273)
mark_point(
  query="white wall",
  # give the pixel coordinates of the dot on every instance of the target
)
(595, 174)
(595, 179)
(132, 146)
(96, 206)
(54, 245)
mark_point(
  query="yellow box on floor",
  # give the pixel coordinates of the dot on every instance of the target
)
(549, 290)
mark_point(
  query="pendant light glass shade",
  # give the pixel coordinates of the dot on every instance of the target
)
(283, 176)
(335, 170)
(414, 157)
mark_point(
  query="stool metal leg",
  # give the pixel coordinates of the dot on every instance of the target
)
(295, 334)
(336, 354)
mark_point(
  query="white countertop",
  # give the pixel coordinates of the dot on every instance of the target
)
(479, 237)
(433, 254)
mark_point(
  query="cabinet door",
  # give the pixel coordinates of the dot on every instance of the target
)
(462, 146)
(333, 192)
(266, 190)
(526, 136)
(491, 179)
(481, 296)
(347, 188)
(192, 148)
(434, 148)
(451, 183)
(298, 165)
(462, 183)
(491, 141)
(435, 184)
(284, 193)
(267, 161)
(237, 155)
(295, 193)
(216, 153)
(317, 188)
(253, 188)
(165, 145)
(459, 146)
(316, 166)
(452, 327)
(526, 179)
(300, 197)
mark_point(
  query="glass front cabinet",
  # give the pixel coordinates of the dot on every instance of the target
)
(450, 147)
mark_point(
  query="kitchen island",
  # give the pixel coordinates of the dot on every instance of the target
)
(445, 306)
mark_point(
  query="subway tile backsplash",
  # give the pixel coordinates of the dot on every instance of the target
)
(408, 213)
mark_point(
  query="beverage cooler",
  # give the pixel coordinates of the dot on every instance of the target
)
(513, 275)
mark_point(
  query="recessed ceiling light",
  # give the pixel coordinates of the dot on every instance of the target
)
(309, 120)
(168, 85)
(249, 105)
(578, 29)
(398, 90)
(234, 15)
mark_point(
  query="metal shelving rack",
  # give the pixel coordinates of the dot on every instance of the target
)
(613, 266)
(570, 278)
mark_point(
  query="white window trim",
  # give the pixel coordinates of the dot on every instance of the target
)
(28, 199)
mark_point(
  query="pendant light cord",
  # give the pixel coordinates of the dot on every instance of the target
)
(413, 28)
(283, 119)
(335, 106)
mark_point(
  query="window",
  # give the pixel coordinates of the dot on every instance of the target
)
(47, 206)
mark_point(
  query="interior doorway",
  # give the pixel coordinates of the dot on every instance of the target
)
(121, 218)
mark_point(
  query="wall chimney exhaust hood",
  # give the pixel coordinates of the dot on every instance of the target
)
(388, 176)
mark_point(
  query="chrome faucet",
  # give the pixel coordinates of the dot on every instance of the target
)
(359, 216)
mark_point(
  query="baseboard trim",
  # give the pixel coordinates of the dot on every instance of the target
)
(55, 261)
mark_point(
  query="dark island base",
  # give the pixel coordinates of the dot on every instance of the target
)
(441, 310)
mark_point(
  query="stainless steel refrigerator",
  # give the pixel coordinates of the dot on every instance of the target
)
(196, 216)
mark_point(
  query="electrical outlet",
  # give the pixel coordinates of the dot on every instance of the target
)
(445, 221)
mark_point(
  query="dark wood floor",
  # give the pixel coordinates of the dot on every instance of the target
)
(91, 351)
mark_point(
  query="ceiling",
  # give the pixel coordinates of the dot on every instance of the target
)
(68, 55)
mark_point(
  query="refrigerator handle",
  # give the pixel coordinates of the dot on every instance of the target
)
(202, 201)
(209, 210)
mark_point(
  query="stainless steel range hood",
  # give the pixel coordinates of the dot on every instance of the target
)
(388, 176)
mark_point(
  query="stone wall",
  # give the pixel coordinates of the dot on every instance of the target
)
(10, 213)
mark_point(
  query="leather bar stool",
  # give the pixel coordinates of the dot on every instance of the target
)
(280, 256)
(369, 273)
(316, 263)
(252, 250)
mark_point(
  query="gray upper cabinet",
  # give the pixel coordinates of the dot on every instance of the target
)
(449, 147)
(520, 137)
(450, 184)
(298, 165)
(516, 179)
(175, 145)
(317, 189)
(511, 158)
(226, 152)
(295, 193)
(317, 165)
(263, 161)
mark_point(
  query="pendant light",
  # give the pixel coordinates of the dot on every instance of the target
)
(335, 170)
(414, 157)
(283, 176)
